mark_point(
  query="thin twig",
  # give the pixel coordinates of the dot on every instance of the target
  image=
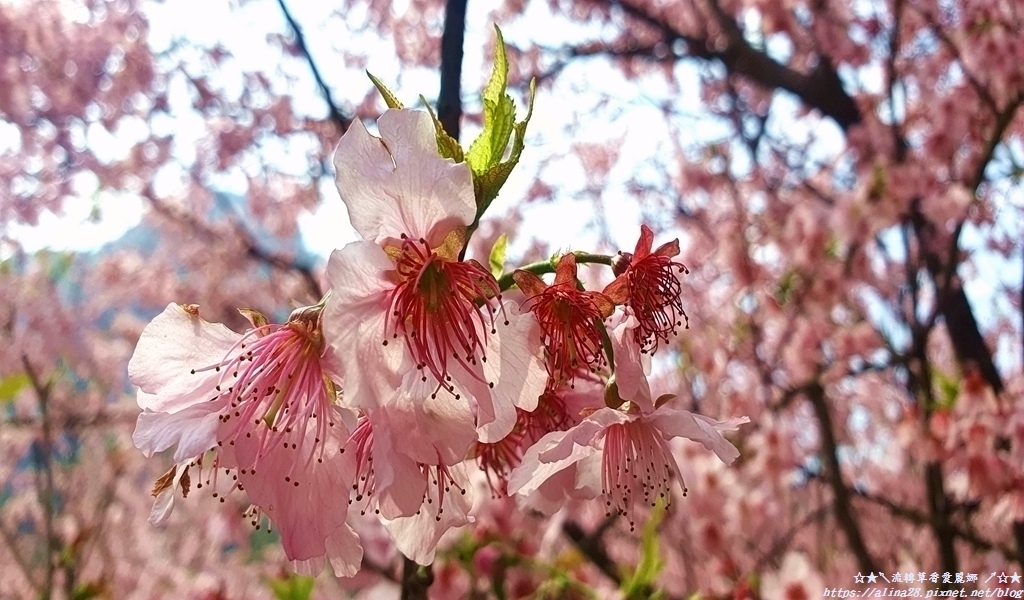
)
(300, 42)
(45, 487)
(840, 492)
(592, 547)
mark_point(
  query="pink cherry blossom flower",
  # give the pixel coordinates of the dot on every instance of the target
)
(569, 319)
(648, 283)
(636, 463)
(417, 499)
(407, 283)
(796, 579)
(627, 446)
(264, 403)
(557, 410)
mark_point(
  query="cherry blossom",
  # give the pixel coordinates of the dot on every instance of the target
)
(648, 283)
(636, 463)
(569, 318)
(407, 281)
(418, 501)
(264, 403)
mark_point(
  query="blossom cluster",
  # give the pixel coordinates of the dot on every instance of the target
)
(423, 371)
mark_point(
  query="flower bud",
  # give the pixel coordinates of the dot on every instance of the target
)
(621, 262)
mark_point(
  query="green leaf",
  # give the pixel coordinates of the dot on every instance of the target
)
(447, 146)
(10, 387)
(294, 587)
(789, 284)
(497, 257)
(499, 114)
(641, 583)
(389, 98)
(488, 184)
(87, 591)
(947, 388)
(499, 76)
(499, 121)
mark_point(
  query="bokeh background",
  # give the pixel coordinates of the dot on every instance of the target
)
(844, 177)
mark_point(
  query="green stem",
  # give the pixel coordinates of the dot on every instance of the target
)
(548, 266)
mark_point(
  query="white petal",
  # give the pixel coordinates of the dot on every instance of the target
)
(193, 430)
(354, 325)
(400, 184)
(171, 346)
(680, 423)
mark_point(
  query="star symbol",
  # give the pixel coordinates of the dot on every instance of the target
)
(1003, 578)
(858, 578)
(1015, 578)
(871, 578)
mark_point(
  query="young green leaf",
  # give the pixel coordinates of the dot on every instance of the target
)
(389, 98)
(293, 587)
(447, 146)
(499, 114)
(497, 257)
(488, 183)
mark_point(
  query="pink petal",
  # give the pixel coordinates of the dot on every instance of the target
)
(354, 325)
(586, 433)
(298, 492)
(680, 423)
(515, 364)
(630, 376)
(343, 552)
(432, 429)
(193, 430)
(400, 184)
(173, 345)
(399, 482)
(553, 453)
(417, 536)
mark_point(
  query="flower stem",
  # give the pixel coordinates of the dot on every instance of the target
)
(415, 580)
(548, 266)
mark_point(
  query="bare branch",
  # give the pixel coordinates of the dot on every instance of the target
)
(840, 492)
(592, 547)
(300, 42)
(820, 89)
(449, 98)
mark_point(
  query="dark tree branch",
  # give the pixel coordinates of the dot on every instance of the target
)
(919, 517)
(416, 580)
(251, 247)
(939, 509)
(449, 98)
(592, 547)
(820, 89)
(1018, 537)
(45, 487)
(300, 42)
(919, 383)
(833, 471)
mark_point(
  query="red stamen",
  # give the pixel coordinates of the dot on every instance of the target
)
(436, 307)
(654, 297)
(636, 468)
